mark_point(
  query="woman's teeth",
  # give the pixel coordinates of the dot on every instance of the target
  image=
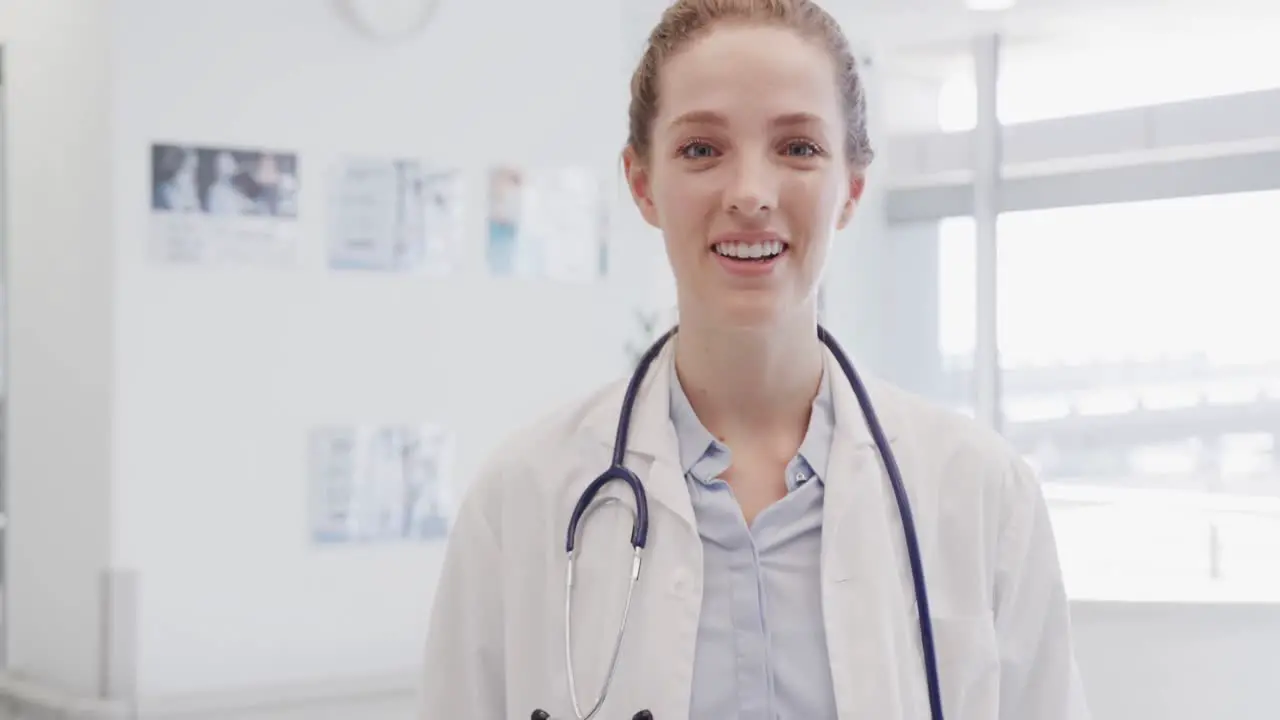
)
(753, 251)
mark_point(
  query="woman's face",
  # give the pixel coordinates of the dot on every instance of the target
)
(747, 159)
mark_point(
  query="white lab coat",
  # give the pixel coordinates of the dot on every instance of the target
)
(495, 645)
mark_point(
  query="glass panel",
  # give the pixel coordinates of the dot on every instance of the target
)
(1137, 355)
(928, 342)
(957, 305)
(1141, 377)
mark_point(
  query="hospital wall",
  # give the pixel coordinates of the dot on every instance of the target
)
(223, 371)
(160, 412)
(158, 545)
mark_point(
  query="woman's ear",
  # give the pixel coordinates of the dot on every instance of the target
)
(638, 180)
(857, 183)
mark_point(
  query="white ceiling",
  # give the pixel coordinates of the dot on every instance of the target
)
(936, 29)
(932, 37)
(927, 37)
(916, 21)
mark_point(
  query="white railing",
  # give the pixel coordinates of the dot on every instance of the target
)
(1166, 545)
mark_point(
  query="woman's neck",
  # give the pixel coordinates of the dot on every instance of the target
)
(751, 383)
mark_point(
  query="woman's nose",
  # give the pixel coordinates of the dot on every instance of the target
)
(753, 191)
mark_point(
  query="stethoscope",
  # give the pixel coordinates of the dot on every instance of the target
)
(640, 531)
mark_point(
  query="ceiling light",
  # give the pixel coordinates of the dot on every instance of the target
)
(990, 5)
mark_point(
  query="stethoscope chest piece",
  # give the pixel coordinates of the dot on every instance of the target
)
(544, 715)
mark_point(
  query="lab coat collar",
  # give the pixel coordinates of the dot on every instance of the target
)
(858, 477)
(652, 438)
(851, 424)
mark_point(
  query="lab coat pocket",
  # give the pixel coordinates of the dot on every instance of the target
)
(968, 666)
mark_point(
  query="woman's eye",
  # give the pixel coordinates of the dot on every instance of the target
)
(801, 148)
(698, 151)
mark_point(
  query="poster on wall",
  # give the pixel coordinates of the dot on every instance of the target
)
(395, 215)
(223, 206)
(379, 483)
(549, 224)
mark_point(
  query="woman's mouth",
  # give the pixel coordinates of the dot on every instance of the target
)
(757, 252)
(750, 259)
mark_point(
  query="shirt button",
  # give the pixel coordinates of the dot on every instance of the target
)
(801, 477)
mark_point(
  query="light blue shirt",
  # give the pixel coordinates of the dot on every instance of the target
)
(761, 650)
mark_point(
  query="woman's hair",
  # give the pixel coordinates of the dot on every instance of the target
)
(687, 20)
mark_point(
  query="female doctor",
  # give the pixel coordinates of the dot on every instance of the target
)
(777, 579)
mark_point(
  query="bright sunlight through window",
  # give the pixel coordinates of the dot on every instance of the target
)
(1117, 72)
(1141, 377)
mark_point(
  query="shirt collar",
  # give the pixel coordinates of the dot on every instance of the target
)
(696, 443)
(816, 446)
(694, 438)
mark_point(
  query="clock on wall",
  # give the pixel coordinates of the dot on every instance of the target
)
(389, 20)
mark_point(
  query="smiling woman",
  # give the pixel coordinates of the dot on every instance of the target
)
(778, 139)
(757, 475)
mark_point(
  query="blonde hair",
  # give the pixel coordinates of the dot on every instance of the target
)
(687, 20)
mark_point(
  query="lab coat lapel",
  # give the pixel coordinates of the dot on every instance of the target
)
(652, 447)
(866, 578)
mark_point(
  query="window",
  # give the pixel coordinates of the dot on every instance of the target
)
(957, 296)
(957, 316)
(1119, 70)
(1141, 377)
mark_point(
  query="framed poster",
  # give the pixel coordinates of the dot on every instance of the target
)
(379, 483)
(223, 206)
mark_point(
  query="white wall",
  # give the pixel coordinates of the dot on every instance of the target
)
(222, 371)
(60, 311)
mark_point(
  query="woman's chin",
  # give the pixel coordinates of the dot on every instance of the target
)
(755, 311)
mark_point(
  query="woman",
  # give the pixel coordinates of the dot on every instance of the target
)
(775, 581)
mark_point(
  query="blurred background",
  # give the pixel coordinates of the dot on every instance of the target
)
(279, 274)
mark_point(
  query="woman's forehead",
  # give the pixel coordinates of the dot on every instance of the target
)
(760, 72)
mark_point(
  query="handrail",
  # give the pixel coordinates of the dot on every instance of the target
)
(1161, 498)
